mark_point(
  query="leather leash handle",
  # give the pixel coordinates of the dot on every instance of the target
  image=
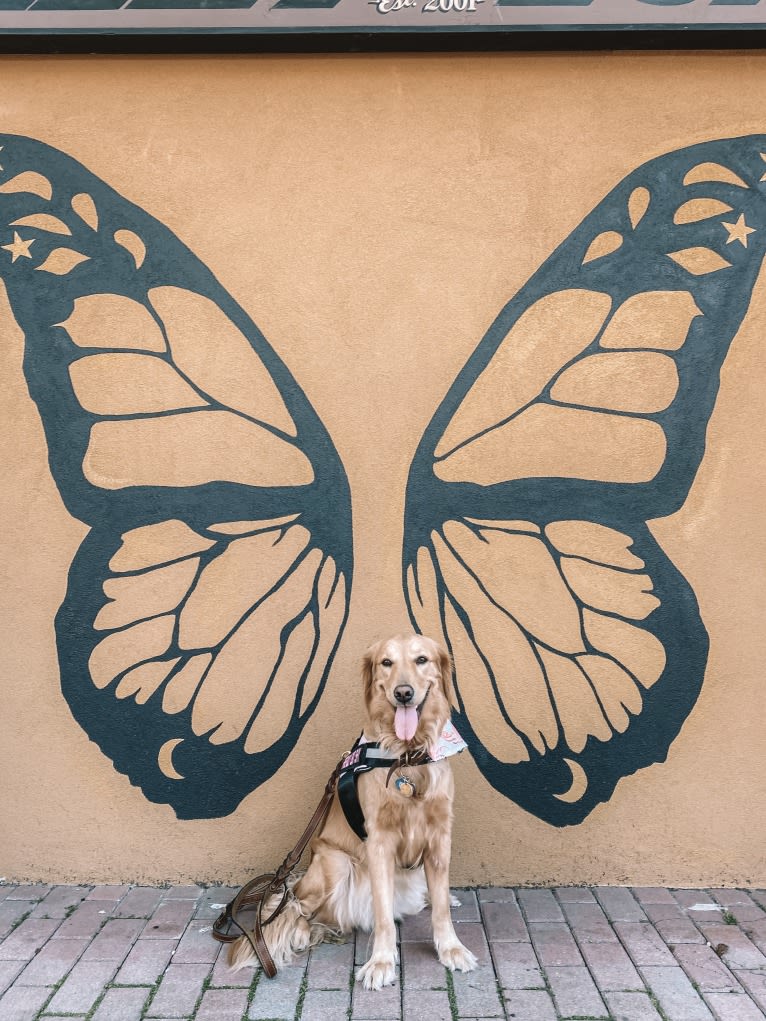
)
(244, 899)
(269, 883)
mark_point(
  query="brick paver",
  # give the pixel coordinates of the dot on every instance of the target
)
(384, 1005)
(179, 990)
(114, 941)
(169, 920)
(138, 902)
(726, 1007)
(631, 1006)
(589, 923)
(59, 901)
(554, 944)
(611, 967)
(27, 939)
(432, 1005)
(122, 1004)
(755, 983)
(30, 892)
(516, 966)
(323, 1004)
(734, 946)
(672, 922)
(120, 953)
(530, 1005)
(146, 962)
(12, 913)
(82, 987)
(84, 922)
(222, 1005)
(575, 993)
(22, 1003)
(8, 972)
(644, 944)
(111, 894)
(420, 966)
(619, 904)
(705, 968)
(504, 920)
(540, 906)
(52, 963)
(278, 997)
(675, 994)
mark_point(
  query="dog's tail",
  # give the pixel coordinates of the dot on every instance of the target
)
(290, 933)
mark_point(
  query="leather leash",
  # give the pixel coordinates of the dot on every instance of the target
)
(256, 891)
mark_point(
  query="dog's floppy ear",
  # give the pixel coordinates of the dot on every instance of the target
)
(445, 669)
(368, 671)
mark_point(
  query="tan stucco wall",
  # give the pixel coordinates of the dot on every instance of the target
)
(373, 214)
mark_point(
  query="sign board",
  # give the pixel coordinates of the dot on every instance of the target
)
(290, 17)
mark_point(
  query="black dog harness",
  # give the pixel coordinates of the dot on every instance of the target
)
(364, 756)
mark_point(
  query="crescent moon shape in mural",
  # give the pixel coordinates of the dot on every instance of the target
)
(579, 783)
(165, 759)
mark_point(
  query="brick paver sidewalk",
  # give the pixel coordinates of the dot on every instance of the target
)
(120, 953)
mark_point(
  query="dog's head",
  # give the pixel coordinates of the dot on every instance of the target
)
(407, 690)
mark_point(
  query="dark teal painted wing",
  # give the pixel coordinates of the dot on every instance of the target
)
(581, 415)
(205, 606)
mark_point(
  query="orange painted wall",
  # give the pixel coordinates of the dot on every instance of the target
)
(373, 214)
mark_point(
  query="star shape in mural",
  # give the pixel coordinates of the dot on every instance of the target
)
(19, 248)
(738, 231)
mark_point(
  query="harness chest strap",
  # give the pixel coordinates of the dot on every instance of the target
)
(366, 755)
(363, 757)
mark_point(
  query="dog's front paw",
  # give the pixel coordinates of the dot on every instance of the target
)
(456, 957)
(379, 971)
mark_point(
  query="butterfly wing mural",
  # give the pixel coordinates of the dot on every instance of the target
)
(578, 646)
(206, 603)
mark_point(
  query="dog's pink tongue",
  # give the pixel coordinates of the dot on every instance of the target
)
(405, 722)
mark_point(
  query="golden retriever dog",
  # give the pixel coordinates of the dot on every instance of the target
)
(353, 883)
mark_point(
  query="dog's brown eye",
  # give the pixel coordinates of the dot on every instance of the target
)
(421, 660)
(386, 662)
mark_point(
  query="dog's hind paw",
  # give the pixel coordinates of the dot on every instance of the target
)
(456, 957)
(379, 971)
(454, 902)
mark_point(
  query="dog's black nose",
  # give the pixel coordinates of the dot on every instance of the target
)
(404, 693)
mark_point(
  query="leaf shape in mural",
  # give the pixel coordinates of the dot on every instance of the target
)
(27, 183)
(43, 221)
(85, 208)
(603, 244)
(131, 243)
(579, 650)
(709, 172)
(638, 203)
(205, 606)
(699, 209)
(62, 261)
(699, 260)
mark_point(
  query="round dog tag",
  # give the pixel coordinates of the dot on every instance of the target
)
(405, 786)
